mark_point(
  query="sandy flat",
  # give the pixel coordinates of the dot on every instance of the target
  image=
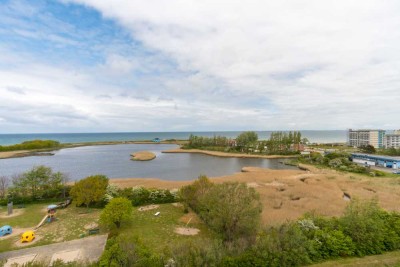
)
(143, 156)
(288, 194)
(11, 154)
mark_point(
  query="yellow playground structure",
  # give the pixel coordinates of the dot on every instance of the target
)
(28, 236)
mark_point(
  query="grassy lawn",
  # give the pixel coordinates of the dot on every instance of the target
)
(386, 259)
(157, 232)
(71, 223)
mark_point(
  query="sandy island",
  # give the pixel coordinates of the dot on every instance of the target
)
(288, 194)
(143, 156)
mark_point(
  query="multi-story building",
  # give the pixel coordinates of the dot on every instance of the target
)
(392, 140)
(357, 138)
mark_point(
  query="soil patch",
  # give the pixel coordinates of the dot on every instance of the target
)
(15, 232)
(143, 156)
(149, 207)
(91, 225)
(186, 231)
(27, 244)
(16, 212)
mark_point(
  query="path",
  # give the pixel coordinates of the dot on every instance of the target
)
(89, 248)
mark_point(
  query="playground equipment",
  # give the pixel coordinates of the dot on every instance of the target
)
(51, 212)
(49, 217)
(28, 236)
(5, 230)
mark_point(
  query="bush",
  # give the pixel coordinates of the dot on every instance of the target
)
(363, 222)
(232, 210)
(191, 194)
(141, 196)
(195, 253)
(128, 250)
(282, 246)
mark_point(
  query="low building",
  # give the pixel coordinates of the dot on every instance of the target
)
(392, 140)
(376, 160)
(358, 138)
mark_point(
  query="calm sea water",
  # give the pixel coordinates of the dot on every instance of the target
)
(114, 161)
(9, 139)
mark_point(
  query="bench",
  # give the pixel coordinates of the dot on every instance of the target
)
(93, 231)
(20, 206)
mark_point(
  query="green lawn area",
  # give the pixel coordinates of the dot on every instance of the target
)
(157, 232)
(386, 259)
(71, 223)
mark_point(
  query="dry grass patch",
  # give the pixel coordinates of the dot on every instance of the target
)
(321, 191)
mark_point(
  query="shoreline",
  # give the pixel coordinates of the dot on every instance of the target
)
(48, 151)
(227, 154)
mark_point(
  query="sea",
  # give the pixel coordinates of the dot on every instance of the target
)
(331, 136)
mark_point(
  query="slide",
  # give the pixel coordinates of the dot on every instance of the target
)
(42, 221)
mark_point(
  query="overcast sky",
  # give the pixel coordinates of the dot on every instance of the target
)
(190, 65)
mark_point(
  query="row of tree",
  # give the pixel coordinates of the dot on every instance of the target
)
(38, 183)
(278, 143)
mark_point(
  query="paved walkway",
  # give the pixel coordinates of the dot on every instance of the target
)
(90, 249)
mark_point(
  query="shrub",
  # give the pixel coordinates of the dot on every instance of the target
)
(128, 250)
(140, 196)
(363, 222)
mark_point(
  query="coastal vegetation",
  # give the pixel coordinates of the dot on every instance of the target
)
(239, 239)
(229, 229)
(30, 145)
(279, 143)
(340, 161)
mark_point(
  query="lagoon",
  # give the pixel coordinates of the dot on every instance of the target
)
(114, 161)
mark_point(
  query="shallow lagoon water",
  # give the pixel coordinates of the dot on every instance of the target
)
(114, 161)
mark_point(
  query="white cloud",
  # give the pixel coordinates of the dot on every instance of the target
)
(227, 65)
(321, 64)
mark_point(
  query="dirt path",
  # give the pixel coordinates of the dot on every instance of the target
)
(89, 248)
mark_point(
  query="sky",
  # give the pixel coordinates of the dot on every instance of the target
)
(189, 65)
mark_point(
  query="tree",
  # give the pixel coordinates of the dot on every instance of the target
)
(116, 211)
(38, 182)
(4, 181)
(88, 190)
(190, 194)
(369, 149)
(245, 139)
(232, 209)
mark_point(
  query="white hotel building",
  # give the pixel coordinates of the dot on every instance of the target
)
(392, 140)
(357, 138)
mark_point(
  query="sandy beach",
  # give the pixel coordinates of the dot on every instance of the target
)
(288, 194)
(14, 154)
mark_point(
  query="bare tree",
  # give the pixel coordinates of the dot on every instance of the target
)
(4, 182)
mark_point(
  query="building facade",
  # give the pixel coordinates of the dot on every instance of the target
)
(376, 160)
(392, 140)
(357, 138)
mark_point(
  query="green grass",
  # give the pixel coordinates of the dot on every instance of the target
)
(386, 259)
(70, 224)
(30, 216)
(157, 232)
